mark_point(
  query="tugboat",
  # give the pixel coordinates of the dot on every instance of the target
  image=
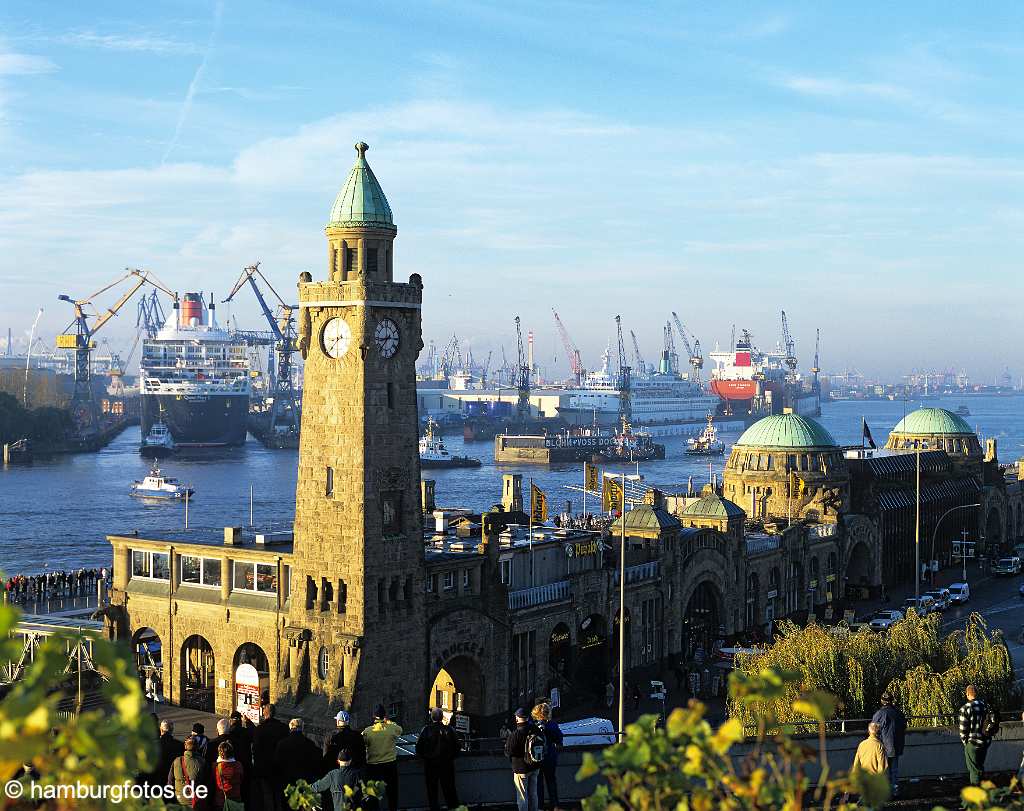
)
(707, 443)
(628, 445)
(157, 485)
(433, 453)
(158, 443)
(963, 411)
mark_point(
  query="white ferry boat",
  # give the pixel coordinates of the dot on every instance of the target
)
(157, 485)
(707, 443)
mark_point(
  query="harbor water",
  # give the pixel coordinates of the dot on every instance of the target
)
(55, 513)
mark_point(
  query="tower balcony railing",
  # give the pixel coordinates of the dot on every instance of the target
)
(539, 595)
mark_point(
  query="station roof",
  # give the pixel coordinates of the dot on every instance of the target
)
(714, 506)
(648, 518)
(786, 431)
(931, 421)
(361, 200)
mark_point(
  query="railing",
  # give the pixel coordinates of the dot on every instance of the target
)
(639, 573)
(538, 595)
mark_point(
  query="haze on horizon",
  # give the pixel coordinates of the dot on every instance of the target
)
(858, 166)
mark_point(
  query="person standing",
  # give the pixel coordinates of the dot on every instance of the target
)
(169, 749)
(296, 757)
(892, 724)
(870, 755)
(201, 741)
(976, 731)
(265, 739)
(381, 755)
(228, 775)
(438, 746)
(344, 737)
(524, 773)
(344, 775)
(547, 783)
(187, 774)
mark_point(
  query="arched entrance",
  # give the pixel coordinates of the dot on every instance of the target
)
(592, 654)
(251, 690)
(701, 622)
(459, 687)
(148, 653)
(560, 651)
(858, 571)
(993, 532)
(197, 674)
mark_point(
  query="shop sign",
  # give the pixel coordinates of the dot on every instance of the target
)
(591, 641)
(580, 549)
(771, 595)
(247, 692)
(559, 637)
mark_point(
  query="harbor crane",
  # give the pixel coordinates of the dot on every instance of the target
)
(78, 337)
(641, 365)
(790, 346)
(816, 368)
(692, 352)
(575, 363)
(625, 395)
(285, 408)
(523, 380)
(451, 358)
(669, 359)
(151, 315)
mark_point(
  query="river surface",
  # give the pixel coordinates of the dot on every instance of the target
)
(56, 513)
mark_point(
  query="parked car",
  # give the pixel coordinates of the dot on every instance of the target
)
(959, 593)
(883, 619)
(1008, 566)
(923, 605)
(943, 599)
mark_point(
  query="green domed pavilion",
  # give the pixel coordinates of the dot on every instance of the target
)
(935, 429)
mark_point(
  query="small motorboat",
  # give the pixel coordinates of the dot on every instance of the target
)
(157, 485)
(158, 443)
(963, 411)
(707, 442)
(433, 453)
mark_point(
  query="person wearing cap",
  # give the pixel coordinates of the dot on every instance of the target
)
(438, 746)
(381, 755)
(343, 775)
(267, 736)
(344, 737)
(524, 775)
(892, 725)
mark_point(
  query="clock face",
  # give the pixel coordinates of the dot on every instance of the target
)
(335, 337)
(386, 337)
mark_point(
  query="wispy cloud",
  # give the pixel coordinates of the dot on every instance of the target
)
(17, 64)
(839, 88)
(193, 86)
(143, 43)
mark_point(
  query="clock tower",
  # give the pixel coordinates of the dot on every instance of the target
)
(354, 630)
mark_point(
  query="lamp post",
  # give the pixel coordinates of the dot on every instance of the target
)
(935, 532)
(622, 600)
(917, 524)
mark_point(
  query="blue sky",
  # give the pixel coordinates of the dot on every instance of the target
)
(859, 165)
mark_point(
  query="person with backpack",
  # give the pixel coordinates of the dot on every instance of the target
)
(438, 746)
(344, 775)
(547, 784)
(526, 749)
(892, 725)
(228, 775)
(978, 725)
(187, 775)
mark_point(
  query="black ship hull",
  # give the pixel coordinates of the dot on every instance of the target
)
(198, 422)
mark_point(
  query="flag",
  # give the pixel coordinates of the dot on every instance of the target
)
(538, 504)
(592, 477)
(867, 435)
(611, 495)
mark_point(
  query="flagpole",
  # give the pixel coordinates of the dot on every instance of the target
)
(584, 491)
(622, 615)
(863, 431)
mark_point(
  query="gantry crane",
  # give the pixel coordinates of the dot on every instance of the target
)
(575, 362)
(523, 378)
(150, 316)
(285, 407)
(790, 346)
(80, 340)
(641, 364)
(692, 352)
(816, 368)
(625, 394)
(669, 359)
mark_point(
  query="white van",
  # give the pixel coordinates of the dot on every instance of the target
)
(959, 593)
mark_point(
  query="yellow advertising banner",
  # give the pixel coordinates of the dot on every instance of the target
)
(538, 504)
(611, 495)
(592, 477)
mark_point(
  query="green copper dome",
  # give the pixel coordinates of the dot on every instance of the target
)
(786, 431)
(932, 421)
(361, 201)
(714, 506)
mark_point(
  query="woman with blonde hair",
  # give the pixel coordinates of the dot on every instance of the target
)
(549, 768)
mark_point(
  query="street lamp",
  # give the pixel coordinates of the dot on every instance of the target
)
(935, 532)
(622, 599)
(917, 525)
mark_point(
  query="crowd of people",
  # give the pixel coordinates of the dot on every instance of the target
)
(51, 585)
(247, 767)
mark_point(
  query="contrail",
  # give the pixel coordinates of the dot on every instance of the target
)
(186, 105)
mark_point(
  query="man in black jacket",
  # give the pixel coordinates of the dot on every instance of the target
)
(267, 736)
(169, 750)
(892, 725)
(344, 737)
(296, 757)
(524, 775)
(438, 746)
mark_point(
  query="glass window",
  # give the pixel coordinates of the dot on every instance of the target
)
(771, 464)
(329, 490)
(506, 572)
(140, 563)
(191, 569)
(211, 572)
(430, 584)
(154, 565)
(449, 581)
(323, 663)
(266, 578)
(465, 579)
(245, 576)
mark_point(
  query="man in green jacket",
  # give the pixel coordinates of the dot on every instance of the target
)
(188, 773)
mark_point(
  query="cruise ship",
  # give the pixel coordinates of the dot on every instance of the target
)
(195, 376)
(662, 403)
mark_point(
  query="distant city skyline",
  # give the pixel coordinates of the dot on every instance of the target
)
(859, 167)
